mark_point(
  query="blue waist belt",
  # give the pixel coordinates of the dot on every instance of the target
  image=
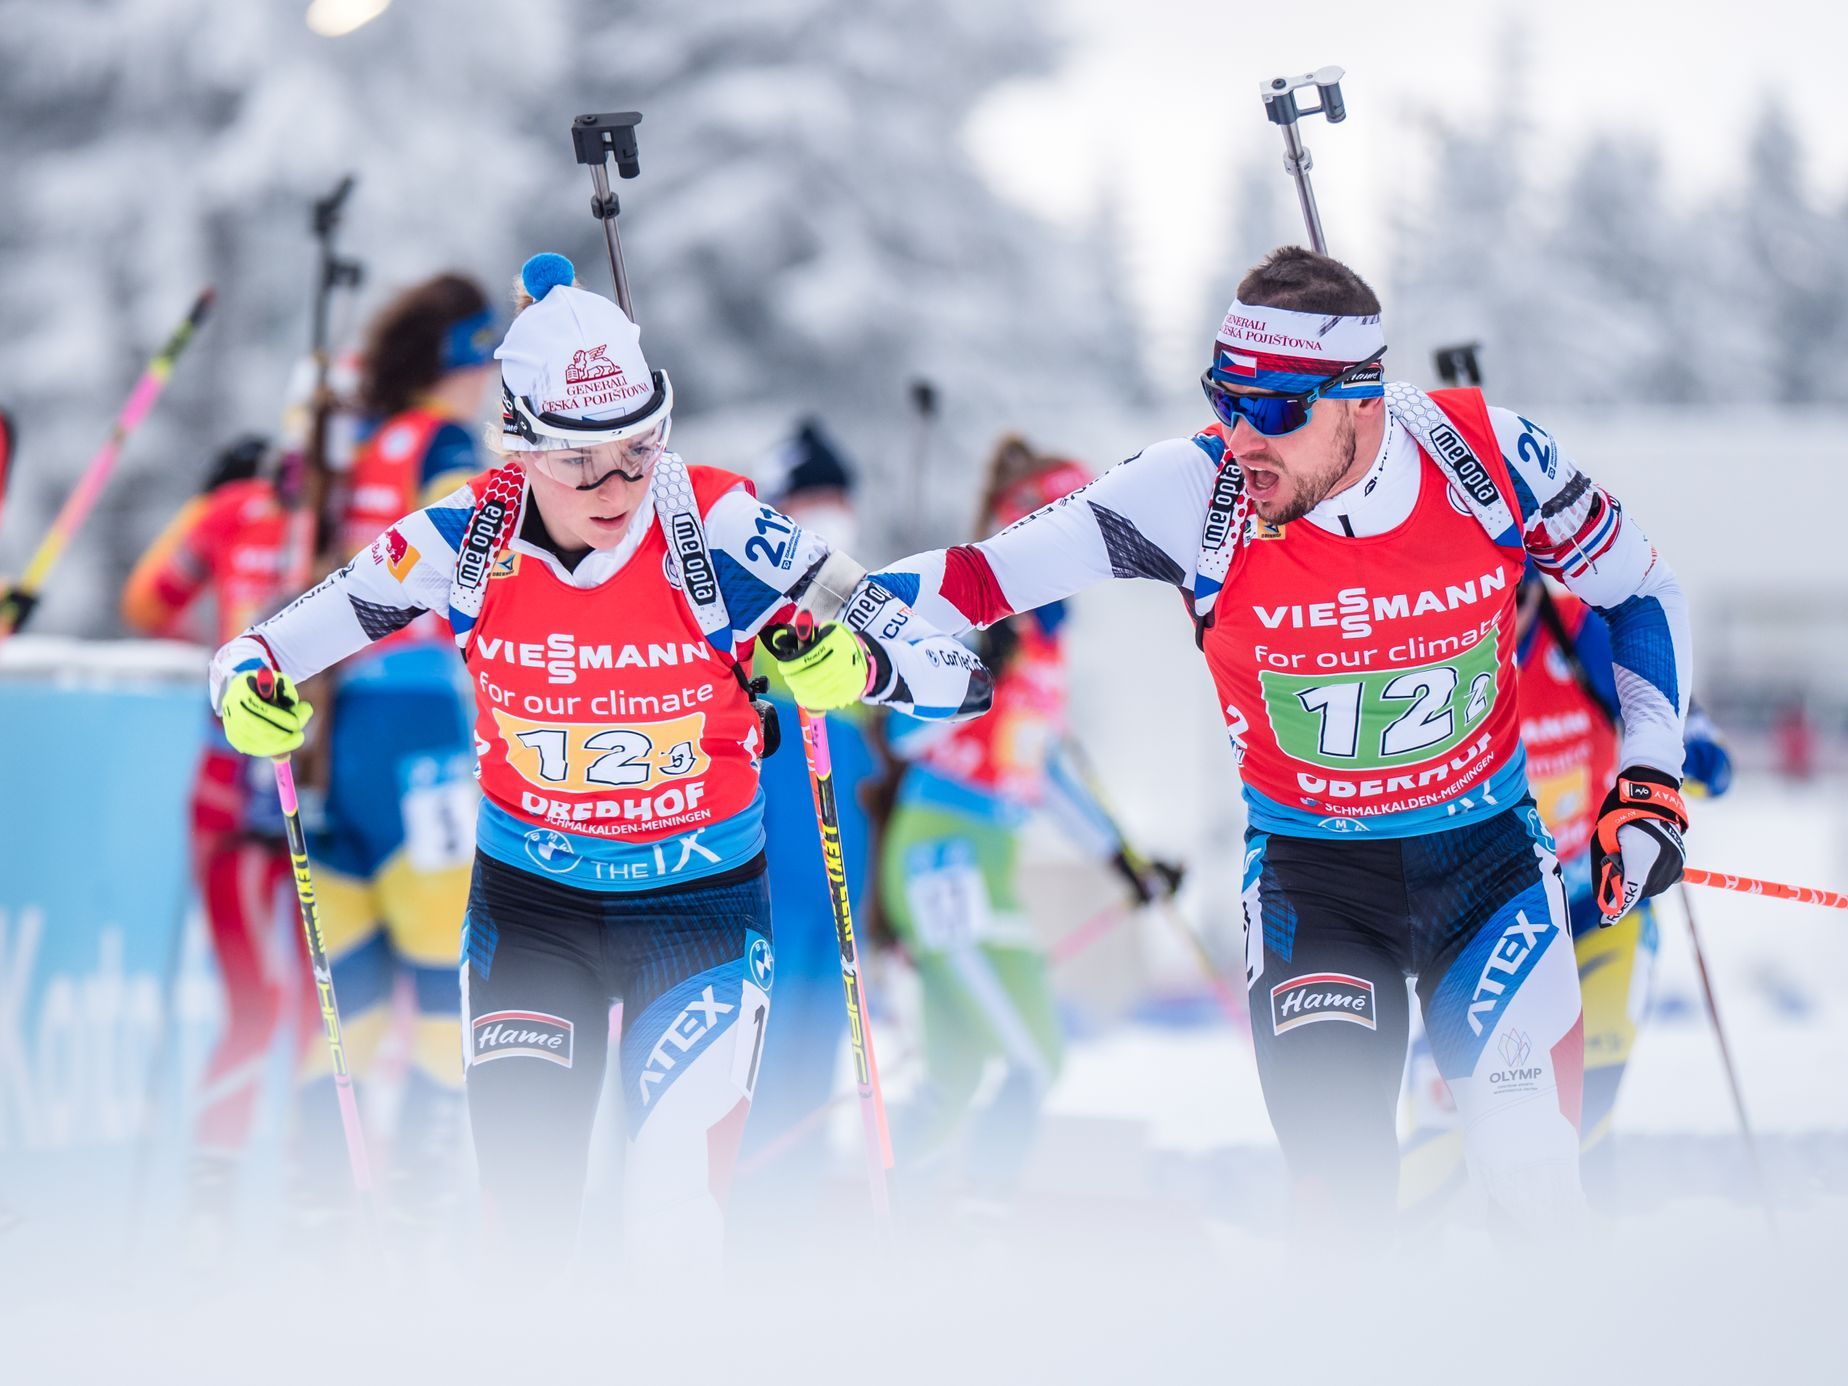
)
(594, 863)
(1503, 790)
(929, 789)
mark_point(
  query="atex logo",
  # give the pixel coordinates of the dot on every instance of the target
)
(532, 1034)
(701, 1017)
(1321, 996)
(1509, 958)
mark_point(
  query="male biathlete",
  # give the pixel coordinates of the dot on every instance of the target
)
(605, 596)
(1350, 551)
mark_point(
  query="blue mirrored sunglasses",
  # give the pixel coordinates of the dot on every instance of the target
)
(1276, 415)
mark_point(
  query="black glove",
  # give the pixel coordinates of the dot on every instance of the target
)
(1148, 880)
(1638, 842)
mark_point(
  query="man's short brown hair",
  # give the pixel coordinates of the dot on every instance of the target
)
(1295, 278)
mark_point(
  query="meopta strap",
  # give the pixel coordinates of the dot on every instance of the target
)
(677, 510)
(1290, 352)
(1426, 421)
(490, 528)
(1227, 511)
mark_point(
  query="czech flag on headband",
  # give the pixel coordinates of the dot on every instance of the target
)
(1290, 352)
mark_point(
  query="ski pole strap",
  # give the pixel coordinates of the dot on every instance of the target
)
(1777, 890)
(1637, 799)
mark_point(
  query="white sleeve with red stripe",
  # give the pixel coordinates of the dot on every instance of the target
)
(1578, 532)
(406, 572)
(772, 562)
(1140, 519)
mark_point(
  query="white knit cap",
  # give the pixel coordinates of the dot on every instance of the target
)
(572, 370)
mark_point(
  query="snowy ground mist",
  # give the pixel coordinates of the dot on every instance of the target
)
(1693, 1294)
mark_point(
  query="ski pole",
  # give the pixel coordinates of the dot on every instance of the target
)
(878, 1136)
(923, 397)
(1777, 890)
(16, 606)
(1726, 1060)
(1070, 946)
(305, 484)
(1280, 105)
(1231, 1004)
(319, 965)
(786, 643)
(7, 437)
(1090, 931)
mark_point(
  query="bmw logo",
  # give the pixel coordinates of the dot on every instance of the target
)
(763, 962)
(551, 851)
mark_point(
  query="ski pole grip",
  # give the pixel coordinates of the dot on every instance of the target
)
(785, 641)
(265, 684)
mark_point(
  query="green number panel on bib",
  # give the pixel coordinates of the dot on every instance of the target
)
(1384, 719)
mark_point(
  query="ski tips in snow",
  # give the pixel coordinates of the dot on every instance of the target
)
(545, 272)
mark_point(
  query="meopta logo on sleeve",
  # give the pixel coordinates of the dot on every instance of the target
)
(528, 1034)
(1321, 996)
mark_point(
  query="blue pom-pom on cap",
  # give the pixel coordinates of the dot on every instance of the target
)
(544, 272)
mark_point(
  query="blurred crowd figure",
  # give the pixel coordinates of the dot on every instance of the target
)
(391, 798)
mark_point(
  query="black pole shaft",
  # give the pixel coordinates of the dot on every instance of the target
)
(1726, 1061)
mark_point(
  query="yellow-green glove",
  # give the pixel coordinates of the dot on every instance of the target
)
(260, 726)
(827, 673)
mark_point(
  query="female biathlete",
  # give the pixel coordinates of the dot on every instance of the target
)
(948, 866)
(605, 596)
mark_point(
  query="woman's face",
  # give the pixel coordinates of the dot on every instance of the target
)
(616, 475)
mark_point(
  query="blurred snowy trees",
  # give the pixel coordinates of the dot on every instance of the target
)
(153, 146)
(809, 233)
(1603, 290)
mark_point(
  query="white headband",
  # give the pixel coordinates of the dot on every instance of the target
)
(1304, 337)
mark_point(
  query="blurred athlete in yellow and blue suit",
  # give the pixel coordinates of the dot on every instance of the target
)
(1568, 701)
(392, 858)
